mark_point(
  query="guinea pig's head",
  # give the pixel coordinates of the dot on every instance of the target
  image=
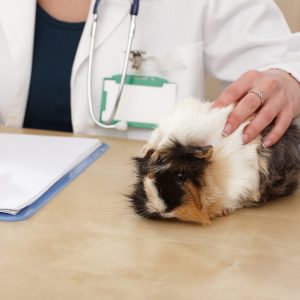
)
(170, 183)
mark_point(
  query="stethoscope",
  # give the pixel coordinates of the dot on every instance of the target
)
(121, 125)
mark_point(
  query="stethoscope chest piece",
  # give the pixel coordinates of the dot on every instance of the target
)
(136, 57)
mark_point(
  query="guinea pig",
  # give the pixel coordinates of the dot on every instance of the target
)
(191, 172)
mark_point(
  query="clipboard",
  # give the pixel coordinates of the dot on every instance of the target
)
(30, 210)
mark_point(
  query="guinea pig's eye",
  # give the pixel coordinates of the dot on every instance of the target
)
(181, 176)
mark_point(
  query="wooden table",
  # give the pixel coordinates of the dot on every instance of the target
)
(88, 244)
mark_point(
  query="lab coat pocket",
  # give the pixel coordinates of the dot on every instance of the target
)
(182, 65)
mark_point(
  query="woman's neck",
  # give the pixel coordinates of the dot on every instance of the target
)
(67, 10)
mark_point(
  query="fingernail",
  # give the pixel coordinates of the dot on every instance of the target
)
(227, 129)
(266, 143)
(245, 138)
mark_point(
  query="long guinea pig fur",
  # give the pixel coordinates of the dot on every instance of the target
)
(191, 172)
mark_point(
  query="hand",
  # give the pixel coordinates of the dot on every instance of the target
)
(281, 104)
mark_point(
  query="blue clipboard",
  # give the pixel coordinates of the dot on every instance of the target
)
(30, 210)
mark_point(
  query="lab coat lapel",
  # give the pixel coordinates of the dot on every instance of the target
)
(17, 19)
(110, 15)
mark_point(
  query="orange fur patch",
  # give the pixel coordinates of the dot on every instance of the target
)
(205, 154)
(202, 205)
(192, 210)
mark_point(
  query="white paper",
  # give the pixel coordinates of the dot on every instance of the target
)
(31, 164)
(143, 104)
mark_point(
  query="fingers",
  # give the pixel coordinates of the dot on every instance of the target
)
(245, 108)
(265, 118)
(237, 89)
(282, 123)
(249, 104)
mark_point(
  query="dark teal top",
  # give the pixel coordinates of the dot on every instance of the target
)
(55, 46)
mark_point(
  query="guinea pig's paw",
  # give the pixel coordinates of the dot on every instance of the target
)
(227, 211)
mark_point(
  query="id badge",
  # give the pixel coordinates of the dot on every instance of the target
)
(144, 101)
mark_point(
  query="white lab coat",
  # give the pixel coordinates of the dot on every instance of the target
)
(183, 40)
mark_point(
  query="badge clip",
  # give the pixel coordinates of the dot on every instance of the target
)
(136, 57)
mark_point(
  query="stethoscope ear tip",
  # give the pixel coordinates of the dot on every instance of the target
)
(122, 126)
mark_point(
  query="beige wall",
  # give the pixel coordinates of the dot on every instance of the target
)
(291, 11)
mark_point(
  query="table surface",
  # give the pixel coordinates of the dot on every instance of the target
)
(86, 243)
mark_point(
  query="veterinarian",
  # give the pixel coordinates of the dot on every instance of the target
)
(45, 49)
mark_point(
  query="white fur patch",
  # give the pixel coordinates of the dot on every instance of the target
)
(154, 204)
(195, 123)
(168, 215)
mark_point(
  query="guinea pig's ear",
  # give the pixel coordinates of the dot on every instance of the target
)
(204, 152)
(148, 151)
(148, 147)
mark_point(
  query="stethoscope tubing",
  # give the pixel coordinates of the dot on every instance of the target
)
(124, 71)
(121, 125)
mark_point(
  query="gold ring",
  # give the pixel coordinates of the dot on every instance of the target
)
(259, 94)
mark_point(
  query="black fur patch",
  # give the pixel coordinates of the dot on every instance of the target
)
(169, 190)
(183, 158)
(138, 195)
